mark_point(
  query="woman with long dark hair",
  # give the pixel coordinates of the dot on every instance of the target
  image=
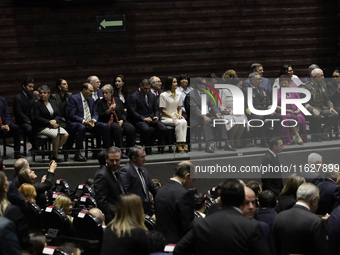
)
(120, 89)
(126, 233)
(61, 97)
(170, 104)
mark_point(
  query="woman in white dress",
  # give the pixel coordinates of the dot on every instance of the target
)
(235, 131)
(171, 106)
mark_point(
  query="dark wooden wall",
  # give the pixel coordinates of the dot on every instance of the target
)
(52, 41)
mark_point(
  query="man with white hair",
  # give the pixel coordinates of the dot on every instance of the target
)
(95, 82)
(319, 105)
(156, 85)
(298, 230)
(311, 172)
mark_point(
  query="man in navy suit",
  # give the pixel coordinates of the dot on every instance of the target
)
(83, 117)
(135, 177)
(8, 128)
(267, 203)
(143, 111)
(329, 193)
(95, 82)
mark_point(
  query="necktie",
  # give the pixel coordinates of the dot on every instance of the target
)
(146, 100)
(87, 111)
(140, 173)
(95, 96)
(1, 123)
(120, 186)
(156, 93)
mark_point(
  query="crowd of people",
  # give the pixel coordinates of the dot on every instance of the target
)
(115, 114)
(267, 217)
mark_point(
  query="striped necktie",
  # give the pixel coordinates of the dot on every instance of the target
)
(87, 111)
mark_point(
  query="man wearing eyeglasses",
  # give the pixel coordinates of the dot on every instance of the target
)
(333, 89)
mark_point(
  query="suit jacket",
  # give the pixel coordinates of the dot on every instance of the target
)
(102, 107)
(268, 180)
(333, 231)
(16, 198)
(261, 99)
(133, 184)
(333, 93)
(61, 104)
(75, 109)
(329, 195)
(14, 214)
(299, 231)
(285, 202)
(312, 176)
(22, 106)
(266, 215)
(41, 116)
(4, 112)
(195, 102)
(99, 94)
(226, 231)
(9, 244)
(138, 110)
(107, 192)
(174, 207)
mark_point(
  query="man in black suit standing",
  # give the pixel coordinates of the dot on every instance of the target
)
(144, 113)
(174, 204)
(22, 106)
(272, 180)
(298, 230)
(135, 177)
(82, 118)
(267, 203)
(108, 185)
(8, 128)
(226, 230)
(206, 120)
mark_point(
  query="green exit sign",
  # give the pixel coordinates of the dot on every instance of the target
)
(111, 23)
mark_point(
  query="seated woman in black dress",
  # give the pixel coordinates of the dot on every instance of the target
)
(111, 111)
(46, 117)
(61, 97)
(126, 233)
(120, 89)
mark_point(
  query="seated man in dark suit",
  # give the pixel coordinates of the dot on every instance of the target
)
(298, 230)
(265, 83)
(22, 106)
(261, 101)
(108, 185)
(272, 180)
(226, 231)
(206, 120)
(144, 113)
(135, 177)
(174, 204)
(7, 128)
(82, 118)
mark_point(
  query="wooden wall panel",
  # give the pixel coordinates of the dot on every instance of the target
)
(60, 40)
